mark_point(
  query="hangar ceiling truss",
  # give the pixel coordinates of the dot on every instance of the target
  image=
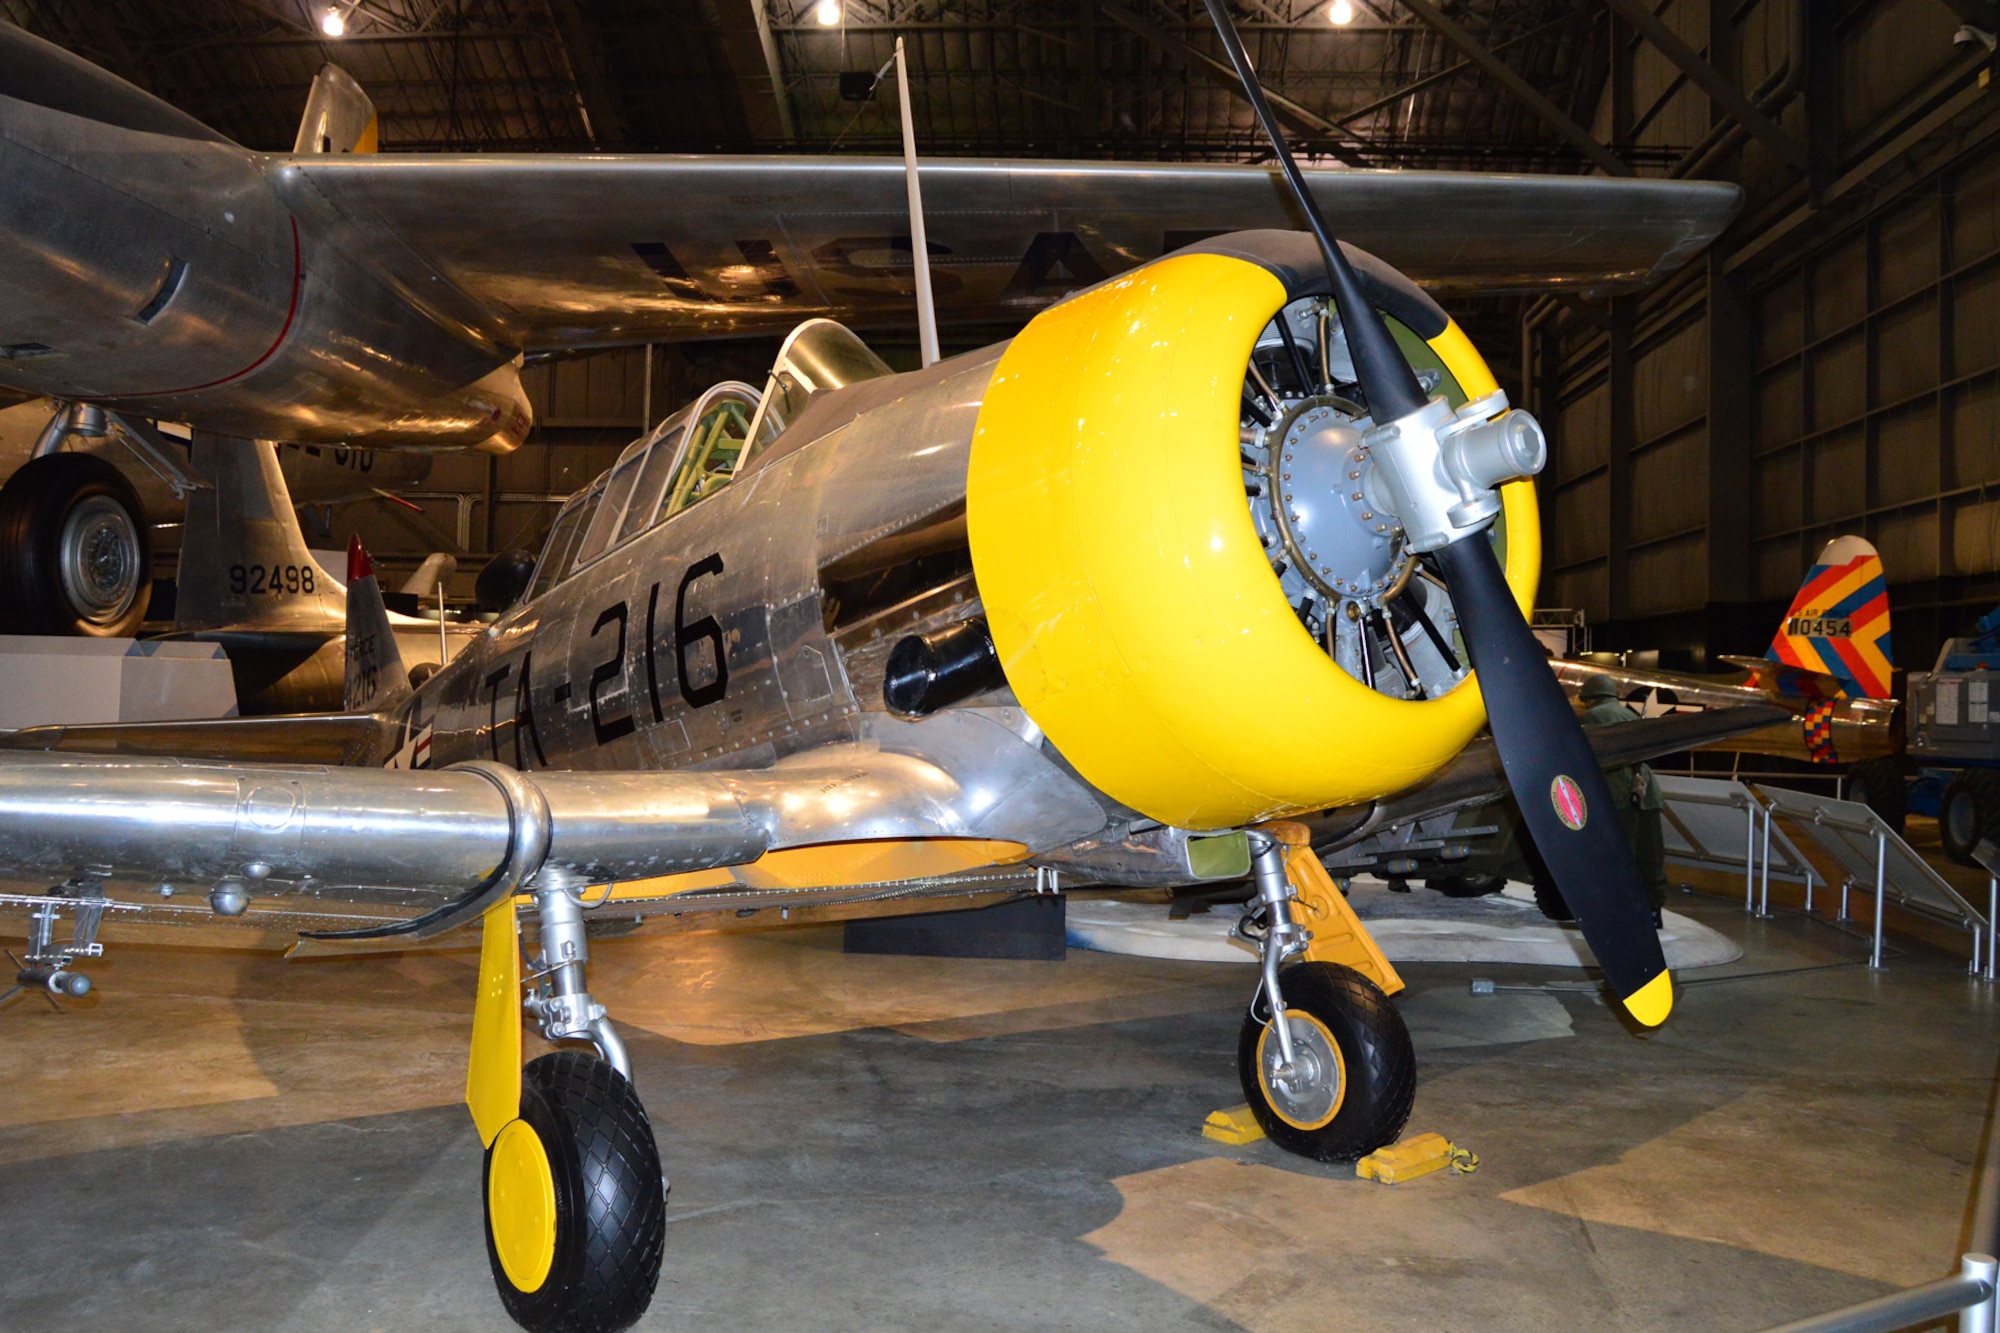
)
(1492, 84)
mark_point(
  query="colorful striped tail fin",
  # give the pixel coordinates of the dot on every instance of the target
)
(1839, 622)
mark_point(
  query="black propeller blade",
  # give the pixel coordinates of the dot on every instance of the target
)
(1556, 781)
(1549, 765)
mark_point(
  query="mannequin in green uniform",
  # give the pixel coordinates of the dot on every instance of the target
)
(1633, 791)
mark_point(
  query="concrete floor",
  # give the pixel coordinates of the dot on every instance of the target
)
(227, 1141)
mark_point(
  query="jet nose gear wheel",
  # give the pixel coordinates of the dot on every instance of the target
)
(576, 1210)
(99, 555)
(78, 555)
(1353, 1076)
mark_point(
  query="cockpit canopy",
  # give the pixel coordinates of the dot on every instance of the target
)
(818, 356)
(698, 450)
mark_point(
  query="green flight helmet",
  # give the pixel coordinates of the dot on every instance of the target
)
(1599, 686)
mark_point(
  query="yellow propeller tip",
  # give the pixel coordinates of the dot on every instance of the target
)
(1652, 1002)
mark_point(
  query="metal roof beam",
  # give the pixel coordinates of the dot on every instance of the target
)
(774, 67)
(583, 61)
(1221, 73)
(1449, 71)
(1705, 76)
(1579, 137)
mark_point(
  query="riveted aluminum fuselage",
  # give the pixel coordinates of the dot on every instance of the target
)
(616, 667)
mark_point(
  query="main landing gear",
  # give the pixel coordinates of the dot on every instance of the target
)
(1325, 1061)
(575, 1202)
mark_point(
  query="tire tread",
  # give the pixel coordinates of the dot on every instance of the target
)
(1381, 1063)
(612, 1191)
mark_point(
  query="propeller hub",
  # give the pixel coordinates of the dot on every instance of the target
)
(1340, 555)
(1439, 468)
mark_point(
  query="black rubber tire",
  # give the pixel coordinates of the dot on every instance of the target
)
(36, 505)
(1549, 898)
(611, 1204)
(1374, 1047)
(1968, 812)
(1467, 886)
(1878, 784)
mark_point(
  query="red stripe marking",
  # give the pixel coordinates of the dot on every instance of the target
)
(1863, 672)
(1788, 653)
(1814, 585)
(1870, 612)
(1814, 588)
(298, 281)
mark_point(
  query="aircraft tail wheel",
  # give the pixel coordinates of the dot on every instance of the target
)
(76, 556)
(576, 1211)
(1354, 1072)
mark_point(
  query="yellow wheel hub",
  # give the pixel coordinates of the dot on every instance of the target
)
(521, 1205)
(1312, 1095)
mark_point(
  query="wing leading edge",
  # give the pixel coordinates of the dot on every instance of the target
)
(442, 846)
(558, 251)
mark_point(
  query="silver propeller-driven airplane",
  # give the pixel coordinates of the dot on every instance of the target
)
(1108, 605)
(1212, 548)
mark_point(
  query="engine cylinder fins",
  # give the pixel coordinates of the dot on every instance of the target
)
(1343, 560)
(1134, 603)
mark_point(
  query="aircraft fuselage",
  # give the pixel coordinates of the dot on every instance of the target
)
(712, 640)
(152, 265)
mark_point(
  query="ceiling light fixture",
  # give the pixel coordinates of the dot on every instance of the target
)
(332, 23)
(1341, 12)
(828, 13)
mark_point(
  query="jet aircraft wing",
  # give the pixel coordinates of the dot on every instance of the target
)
(568, 251)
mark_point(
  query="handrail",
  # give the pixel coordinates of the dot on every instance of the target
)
(1901, 1309)
(1973, 1293)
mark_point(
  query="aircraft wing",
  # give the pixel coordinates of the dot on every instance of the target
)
(1474, 776)
(435, 849)
(561, 251)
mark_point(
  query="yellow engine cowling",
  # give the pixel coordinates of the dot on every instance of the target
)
(1137, 617)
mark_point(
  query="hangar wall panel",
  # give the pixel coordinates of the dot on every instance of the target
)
(1863, 392)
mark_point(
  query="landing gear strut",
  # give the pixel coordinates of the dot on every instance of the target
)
(49, 965)
(1325, 1060)
(575, 1202)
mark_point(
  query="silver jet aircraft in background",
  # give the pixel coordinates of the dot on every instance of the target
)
(338, 295)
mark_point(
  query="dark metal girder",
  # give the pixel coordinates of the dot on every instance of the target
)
(1558, 119)
(1720, 90)
(1220, 73)
(583, 60)
(1449, 71)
